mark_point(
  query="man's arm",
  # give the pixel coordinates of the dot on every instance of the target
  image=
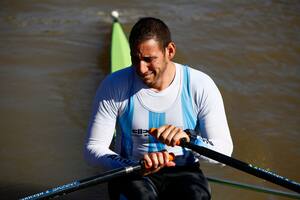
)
(212, 123)
(101, 127)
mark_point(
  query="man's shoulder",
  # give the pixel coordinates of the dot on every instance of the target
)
(199, 76)
(119, 78)
(200, 82)
(126, 73)
(118, 84)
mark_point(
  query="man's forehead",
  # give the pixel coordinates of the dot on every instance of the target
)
(147, 47)
(144, 55)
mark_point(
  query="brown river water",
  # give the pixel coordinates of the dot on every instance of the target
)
(53, 55)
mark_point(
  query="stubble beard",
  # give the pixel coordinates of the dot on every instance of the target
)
(157, 78)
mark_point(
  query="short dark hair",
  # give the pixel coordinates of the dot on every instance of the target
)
(150, 28)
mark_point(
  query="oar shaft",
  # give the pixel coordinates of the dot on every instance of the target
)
(255, 188)
(251, 169)
(80, 184)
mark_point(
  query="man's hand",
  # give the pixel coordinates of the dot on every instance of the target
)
(169, 134)
(156, 160)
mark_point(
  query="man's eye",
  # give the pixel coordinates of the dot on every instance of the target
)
(148, 59)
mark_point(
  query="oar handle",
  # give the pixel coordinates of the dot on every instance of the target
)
(145, 166)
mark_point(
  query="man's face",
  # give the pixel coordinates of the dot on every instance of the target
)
(150, 63)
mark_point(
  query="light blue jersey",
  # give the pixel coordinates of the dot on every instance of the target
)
(192, 101)
(134, 123)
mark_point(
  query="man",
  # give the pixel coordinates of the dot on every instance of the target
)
(157, 93)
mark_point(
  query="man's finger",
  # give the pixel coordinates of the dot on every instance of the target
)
(148, 162)
(155, 132)
(154, 159)
(170, 137)
(166, 133)
(161, 159)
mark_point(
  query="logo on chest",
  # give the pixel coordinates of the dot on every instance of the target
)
(140, 132)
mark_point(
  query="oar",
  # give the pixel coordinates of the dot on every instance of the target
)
(245, 167)
(80, 184)
(255, 188)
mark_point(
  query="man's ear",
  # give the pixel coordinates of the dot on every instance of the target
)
(171, 50)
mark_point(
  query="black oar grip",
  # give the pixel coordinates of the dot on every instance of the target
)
(182, 142)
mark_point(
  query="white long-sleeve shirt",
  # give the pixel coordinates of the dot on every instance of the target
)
(125, 104)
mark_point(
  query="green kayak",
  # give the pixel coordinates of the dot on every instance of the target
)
(120, 51)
